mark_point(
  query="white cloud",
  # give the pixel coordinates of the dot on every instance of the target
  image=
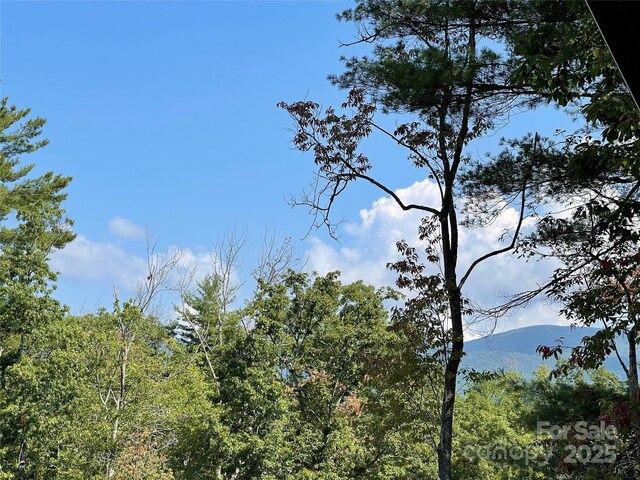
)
(98, 261)
(124, 228)
(371, 243)
(108, 265)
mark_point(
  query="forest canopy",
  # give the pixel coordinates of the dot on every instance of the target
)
(315, 377)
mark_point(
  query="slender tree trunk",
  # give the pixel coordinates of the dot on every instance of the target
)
(122, 392)
(451, 375)
(632, 336)
(449, 231)
(22, 456)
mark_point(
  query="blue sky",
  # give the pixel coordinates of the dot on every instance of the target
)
(164, 114)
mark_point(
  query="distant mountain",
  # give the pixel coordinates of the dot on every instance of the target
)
(516, 349)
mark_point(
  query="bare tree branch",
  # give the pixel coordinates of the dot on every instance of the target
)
(498, 251)
(420, 155)
(277, 257)
(161, 275)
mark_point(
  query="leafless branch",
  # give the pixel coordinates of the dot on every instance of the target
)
(277, 257)
(498, 251)
(161, 270)
(420, 155)
(396, 198)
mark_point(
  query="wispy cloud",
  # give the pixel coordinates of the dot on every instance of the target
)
(99, 261)
(108, 265)
(123, 228)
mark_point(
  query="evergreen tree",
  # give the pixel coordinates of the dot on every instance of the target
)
(33, 225)
(437, 61)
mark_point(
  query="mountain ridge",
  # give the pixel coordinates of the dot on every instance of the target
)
(515, 350)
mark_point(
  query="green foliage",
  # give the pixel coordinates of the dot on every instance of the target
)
(200, 312)
(575, 397)
(321, 336)
(491, 423)
(594, 172)
(565, 402)
(423, 62)
(563, 57)
(313, 379)
(85, 400)
(296, 391)
(499, 436)
(442, 62)
(33, 224)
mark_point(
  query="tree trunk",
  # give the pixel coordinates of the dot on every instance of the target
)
(451, 375)
(22, 456)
